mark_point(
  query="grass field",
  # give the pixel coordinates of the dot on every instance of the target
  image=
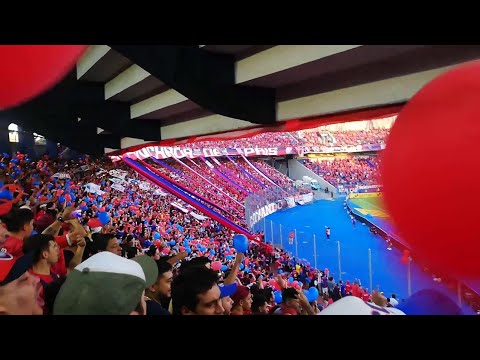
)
(371, 206)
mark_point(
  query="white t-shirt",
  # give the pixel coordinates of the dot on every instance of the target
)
(393, 302)
(351, 305)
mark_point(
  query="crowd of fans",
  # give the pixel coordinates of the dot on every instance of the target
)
(349, 171)
(69, 250)
(342, 138)
(226, 182)
(68, 247)
(310, 138)
(264, 140)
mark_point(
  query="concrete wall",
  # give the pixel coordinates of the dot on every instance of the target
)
(297, 171)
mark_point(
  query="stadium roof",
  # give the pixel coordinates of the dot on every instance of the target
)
(125, 95)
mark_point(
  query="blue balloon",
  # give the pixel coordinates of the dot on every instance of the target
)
(224, 268)
(185, 243)
(99, 199)
(156, 236)
(173, 242)
(240, 243)
(229, 257)
(104, 218)
(290, 279)
(61, 199)
(242, 266)
(69, 203)
(247, 270)
(312, 294)
(109, 207)
(277, 296)
(188, 250)
(84, 208)
(212, 252)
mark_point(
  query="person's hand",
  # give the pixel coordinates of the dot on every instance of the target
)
(67, 213)
(82, 242)
(378, 298)
(302, 298)
(77, 236)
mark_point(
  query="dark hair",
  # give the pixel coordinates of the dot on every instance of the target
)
(100, 241)
(188, 285)
(268, 293)
(17, 219)
(37, 243)
(194, 263)
(258, 300)
(163, 267)
(289, 293)
(152, 250)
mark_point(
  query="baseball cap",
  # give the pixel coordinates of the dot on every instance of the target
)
(227, 290)
(241, 293)
(95, 225)
(351, 305)
(105, 284)
(12, 268)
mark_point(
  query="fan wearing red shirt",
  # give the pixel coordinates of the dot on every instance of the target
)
(242, 301)
(46, 256)
(20, 226)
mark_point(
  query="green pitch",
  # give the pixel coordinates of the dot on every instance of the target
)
(370, 206)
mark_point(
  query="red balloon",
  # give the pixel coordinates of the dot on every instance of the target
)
(216, 265)
(404, 259)
(432, 153)
(28, 70)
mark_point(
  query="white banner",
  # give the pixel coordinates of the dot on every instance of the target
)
(100, 171)
(85, 167)
(178, 206)
(143, 185)
(159, 192)
(94, 189)
(199, 217)
(307, 197)
(118, 174)
(61, 176)
(261, 213)
(290, 201)
(118, 187)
